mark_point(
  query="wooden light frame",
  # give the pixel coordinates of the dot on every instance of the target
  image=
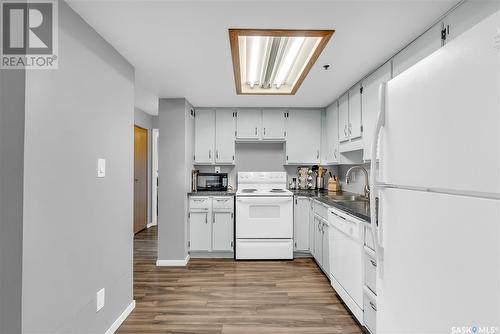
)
(325, 36)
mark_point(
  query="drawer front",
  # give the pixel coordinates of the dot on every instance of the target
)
(370, 270)
(223, 202)
(199, 202)
(320, 209)
(369, 238)
(370, 312)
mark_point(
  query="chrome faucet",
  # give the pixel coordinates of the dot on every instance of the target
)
(367, 184)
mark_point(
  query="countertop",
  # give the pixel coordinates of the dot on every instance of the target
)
(359, 209)
(212, 193)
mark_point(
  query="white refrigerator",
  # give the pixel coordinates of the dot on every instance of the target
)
(437, 184)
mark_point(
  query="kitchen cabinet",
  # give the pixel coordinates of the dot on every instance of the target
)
(332, 133)
(466, 16)
(370, 102)
(222, 230)
(311, 227)
(204, 141)
(423, 46)
(325, 249)
(248, 123)
(303, 136)
(199, 231)
(224, 136)
(273, 124)
(301, 223)
(344, 118)
(211, 225)
(318, 241)
(355, 127)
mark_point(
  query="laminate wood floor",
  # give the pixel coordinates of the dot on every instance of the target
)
(225, 296)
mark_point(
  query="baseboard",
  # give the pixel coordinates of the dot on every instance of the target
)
(150, 224)
(121, 318)
(211, 255)
(172, 263)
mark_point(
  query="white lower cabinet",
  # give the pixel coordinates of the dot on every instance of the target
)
(301, 214)
(321, 245)
(199, 227)
(370, 311)
(222, 230)
(211, 225)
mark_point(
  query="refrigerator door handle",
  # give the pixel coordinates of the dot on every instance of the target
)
(375, 223)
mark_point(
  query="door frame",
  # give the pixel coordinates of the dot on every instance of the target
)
(155, 133)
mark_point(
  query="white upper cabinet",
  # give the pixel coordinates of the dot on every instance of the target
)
(418, 50)
(303, 136)
(248, 124)
(332, 133)
(273, 124)
(370, 102)
(355, 124)
(224, 136)
(343, 118)
(204, 142)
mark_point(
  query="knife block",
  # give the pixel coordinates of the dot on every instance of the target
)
(333, 185)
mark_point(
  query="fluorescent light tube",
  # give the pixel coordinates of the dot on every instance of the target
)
(289, 59)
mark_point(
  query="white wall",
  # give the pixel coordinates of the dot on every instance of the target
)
(77, 234)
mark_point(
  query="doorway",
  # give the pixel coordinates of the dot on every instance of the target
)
(140, 178)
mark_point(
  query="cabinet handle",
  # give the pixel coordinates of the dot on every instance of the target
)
(213, 218)
(373, 306)
(256, 131)
(264, 131)
(350, 128)
(374, 263)
(317, 154)
(217, 154)
(345, 130)
(206, 218)
(210, 154)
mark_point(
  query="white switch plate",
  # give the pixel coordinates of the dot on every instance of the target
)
(100, 296)
(217, 169)
(101, 167)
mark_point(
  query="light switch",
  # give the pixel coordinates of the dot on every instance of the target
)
(100, 296)
(101, 167)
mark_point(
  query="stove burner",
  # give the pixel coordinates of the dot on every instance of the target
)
(248, 190)
(277, 190)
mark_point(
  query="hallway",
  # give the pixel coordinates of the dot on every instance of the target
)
(224, 296)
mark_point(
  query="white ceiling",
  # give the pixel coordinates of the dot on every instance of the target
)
(181, 48)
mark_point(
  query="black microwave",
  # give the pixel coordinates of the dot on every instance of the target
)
(212, 182)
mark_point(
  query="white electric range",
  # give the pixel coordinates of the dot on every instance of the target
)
(264, 216)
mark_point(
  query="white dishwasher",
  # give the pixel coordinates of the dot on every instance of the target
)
(346, 236)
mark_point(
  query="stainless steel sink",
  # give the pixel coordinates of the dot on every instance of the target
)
(349, 198)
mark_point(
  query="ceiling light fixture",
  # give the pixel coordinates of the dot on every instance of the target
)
(274, 61)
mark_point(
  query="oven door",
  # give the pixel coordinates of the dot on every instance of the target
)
(264, 217)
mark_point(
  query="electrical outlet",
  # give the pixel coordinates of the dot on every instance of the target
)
(217, 169)
(100, 298)
(101, 167)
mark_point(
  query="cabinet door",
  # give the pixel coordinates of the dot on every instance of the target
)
(224, 136)
(303, 137)
(325, 248)
(343, 118)
(371, 107)
(311, 227)
(222, 231)
(204, 141)
(418, 50)
(248, 123)
(354, 128)
(332, 133)
(318, 240)
(199, 231)
(273, 124)
(301, 224)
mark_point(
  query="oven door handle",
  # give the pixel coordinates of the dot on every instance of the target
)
(264, 200)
